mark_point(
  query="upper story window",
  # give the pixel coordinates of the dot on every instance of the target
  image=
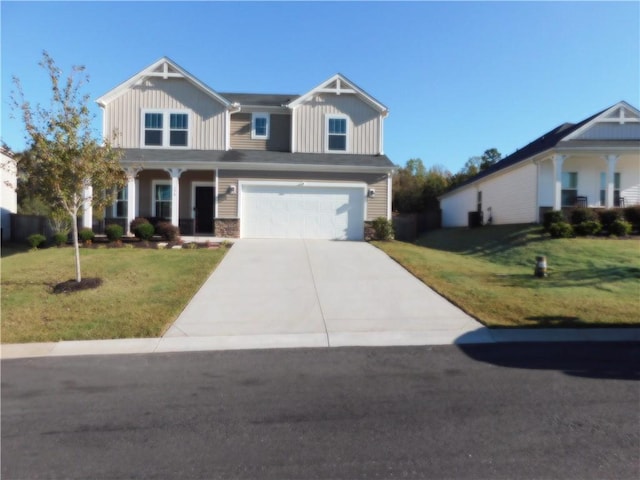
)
(336, 133)
(165, 129)
(260, 125)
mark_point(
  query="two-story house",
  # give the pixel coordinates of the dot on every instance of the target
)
(248, 165)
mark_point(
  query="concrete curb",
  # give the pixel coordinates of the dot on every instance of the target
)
(314, 340)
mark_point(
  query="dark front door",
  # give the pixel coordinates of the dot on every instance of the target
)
(204, 210)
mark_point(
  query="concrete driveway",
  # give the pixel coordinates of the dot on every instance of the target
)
(315, 293)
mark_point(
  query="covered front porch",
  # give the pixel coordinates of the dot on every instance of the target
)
(184, 197)
(589, 180)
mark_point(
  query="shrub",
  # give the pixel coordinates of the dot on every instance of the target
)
(114, 232)
(587, 228)
(620, 228)
(60, 238)
(632, 215)
(383, 228)
(561, 230)
(168, 231)
(144, 231)
(607, 217)
(549, 218)
(35, 240)
(137, 222)
(581, 215)
(86, 235)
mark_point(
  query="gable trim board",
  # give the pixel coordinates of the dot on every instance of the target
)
(572, 143)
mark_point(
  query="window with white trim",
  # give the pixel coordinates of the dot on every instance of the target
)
(569, 188)
(162, 199)
(165, 129)
(260, 125)
(336, 133)
(121, 205)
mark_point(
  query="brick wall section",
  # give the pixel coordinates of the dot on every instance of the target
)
(227, 227)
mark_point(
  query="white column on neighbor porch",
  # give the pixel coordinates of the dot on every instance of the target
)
(175, 194)
(87, 208)
(558, 160)
(611, 170)
(132, 197)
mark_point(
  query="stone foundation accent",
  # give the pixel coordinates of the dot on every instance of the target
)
(226, 227)
(369, 232)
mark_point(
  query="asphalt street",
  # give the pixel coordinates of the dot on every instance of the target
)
(499, 411)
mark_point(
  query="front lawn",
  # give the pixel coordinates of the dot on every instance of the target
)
(143, 292)
(488, 272)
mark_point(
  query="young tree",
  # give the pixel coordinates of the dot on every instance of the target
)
(64, 156)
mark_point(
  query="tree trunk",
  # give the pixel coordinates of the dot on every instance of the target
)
(76, 245)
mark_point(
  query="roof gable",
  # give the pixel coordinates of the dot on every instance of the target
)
(619, 114)
(341, 85)
(164, 68)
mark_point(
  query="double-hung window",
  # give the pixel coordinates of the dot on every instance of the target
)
(162, 200)
(120, 207)
(336, 133)
(569, 188)
(260, 126)
(165, 129)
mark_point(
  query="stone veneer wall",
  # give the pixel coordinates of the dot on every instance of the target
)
(226, 227)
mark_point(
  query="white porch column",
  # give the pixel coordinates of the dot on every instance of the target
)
(87, 208)
(132, 197)
(611, 170)
(558, 160)
(175, 194)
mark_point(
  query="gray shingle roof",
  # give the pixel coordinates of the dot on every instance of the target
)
(239, 157)
(260, 99)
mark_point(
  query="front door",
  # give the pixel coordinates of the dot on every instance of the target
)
(204, 209)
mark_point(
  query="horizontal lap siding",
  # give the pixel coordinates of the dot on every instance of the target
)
(228, 204)
(512, 196)
(124, 114)
(455, 208)
(279, 133)
(364, 124)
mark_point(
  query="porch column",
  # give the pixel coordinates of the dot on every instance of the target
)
(611, 169)
(557, 160)
(87, 208)
(132, 196)
(175, 194)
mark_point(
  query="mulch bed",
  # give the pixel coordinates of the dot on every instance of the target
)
(72, 286)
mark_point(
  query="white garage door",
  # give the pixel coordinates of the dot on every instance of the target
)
(302, 211)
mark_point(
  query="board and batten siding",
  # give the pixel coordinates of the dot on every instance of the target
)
(228, 203)
(123, 115)
(279, 133)
(363, 124)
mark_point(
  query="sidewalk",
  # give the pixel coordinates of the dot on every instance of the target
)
(243, 342)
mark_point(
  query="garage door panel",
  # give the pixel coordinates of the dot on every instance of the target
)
(280, 211)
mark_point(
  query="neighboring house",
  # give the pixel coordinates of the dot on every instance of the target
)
(8, 185)
(248, 165)
(594, 163)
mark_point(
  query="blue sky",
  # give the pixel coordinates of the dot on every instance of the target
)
(458, 77)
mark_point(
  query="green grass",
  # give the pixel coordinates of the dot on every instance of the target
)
(143, 292)
(488, 272)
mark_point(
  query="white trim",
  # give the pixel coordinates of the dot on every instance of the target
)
(293, 131)
(351, 88)
(602, 119)
(227, 130)
(389, 196)
(199, 183)
(254, 116)
(153, 194)
(381, 137)
(151, 71)
(338, 116)
(166, 127)
(311, 184)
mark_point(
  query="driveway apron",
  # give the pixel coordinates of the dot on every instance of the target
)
(326, 292)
